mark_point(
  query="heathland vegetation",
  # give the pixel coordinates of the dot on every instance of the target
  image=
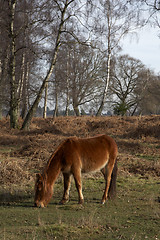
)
(134, 214)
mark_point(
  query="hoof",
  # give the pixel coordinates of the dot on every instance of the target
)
(81, 201)
(63, 201)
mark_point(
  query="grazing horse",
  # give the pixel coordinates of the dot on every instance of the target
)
(73, 157)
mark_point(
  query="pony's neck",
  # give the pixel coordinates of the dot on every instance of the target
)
(53, 169)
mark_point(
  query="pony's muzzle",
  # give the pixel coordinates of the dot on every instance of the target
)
(39, 205)
(36, 205)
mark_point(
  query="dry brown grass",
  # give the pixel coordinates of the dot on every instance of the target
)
(23, 153)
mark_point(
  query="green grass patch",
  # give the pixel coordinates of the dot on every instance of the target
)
(148, 157)
(134, 214)
(8, 149)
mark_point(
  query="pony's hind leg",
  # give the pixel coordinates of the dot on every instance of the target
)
(107, 172)
(67, 184)
(77, 178)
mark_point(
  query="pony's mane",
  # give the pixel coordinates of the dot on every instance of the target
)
(54, 153)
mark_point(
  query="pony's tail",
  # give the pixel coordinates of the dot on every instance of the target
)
(112, 187)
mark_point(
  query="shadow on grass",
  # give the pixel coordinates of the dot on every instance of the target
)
(16, 200)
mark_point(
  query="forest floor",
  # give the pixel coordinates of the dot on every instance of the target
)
(135, 214)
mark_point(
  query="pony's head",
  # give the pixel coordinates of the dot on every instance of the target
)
(43, 191)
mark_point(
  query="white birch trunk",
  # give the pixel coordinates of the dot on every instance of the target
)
(45, 101)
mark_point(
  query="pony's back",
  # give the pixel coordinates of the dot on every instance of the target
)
(91, 153)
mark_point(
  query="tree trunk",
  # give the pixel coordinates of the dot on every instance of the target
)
(25, 89)
(21, 84)
(45, 101)
(67, 92)
(67, 104)
(12, 65)
(3, 77)
(76, 109)
(33, 108)
(109, 24)
(0, 90)
(99, 112)
(56, 106)
(31, 112)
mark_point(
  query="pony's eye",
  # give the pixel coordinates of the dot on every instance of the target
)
(39, 188)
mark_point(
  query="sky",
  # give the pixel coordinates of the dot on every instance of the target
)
(145, 46)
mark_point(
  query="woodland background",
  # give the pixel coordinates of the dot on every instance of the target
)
(66, 56)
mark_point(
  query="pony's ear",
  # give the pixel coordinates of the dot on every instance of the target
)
(38, 176)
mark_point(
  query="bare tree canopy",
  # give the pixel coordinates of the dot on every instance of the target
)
(66, 55)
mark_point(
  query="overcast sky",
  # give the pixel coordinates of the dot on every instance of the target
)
(145, 47)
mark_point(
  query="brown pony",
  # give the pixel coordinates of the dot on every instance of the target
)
(73, 157)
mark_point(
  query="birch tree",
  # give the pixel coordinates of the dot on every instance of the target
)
(63, 18)
(14, 40)
(4, 59)
(12, 66)
(112, 21)
(119, 21)
(45, 101)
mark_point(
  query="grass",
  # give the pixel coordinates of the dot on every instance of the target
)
(134, 214)
(148, 157)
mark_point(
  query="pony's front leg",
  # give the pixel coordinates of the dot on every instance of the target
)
(67, 184)
(78, 182)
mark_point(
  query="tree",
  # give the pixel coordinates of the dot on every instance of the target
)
(115, 19)
(82, 44)
(154, 4)
(17, 52)
(129, 75)
(63, 20)
(12, 66)
(45, 101)
(149, 103)
(4, 60)
(79, 73)
(85, 67)
(121, 108)
(148, 11)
